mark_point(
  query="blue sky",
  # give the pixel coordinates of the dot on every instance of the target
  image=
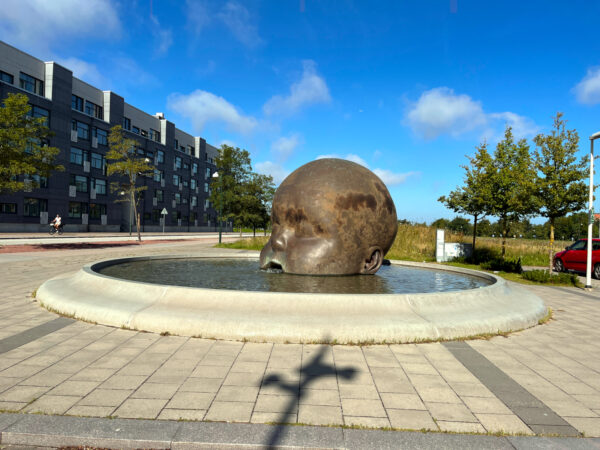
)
(407, 88)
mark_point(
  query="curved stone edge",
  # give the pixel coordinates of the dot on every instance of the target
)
(293, 317)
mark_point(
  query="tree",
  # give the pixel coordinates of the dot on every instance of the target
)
(561, 188)
(474, 197)
(23, 146)
(512, 184)
(227, 196)
(128, 165)
(257, 198)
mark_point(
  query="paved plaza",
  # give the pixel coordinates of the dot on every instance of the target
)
(540, 381)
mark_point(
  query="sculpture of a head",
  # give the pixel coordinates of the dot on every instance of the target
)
(330, 217)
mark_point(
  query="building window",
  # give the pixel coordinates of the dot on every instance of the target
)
(144, 133)
(156, 215)
(8, 208)
(126, 123)
(175, 215)
(186, 166)
(76, 103)
(80, 182)
(77, 156)
(185, 183)
(101, 135)
(160, 156)
(97, 210)
(193, 183)
(97, 161)
(176, 144)
(135, 130)
(194, 201)
(150, 155)
(7, 78)
(83, 130)
(99, 185)
(76, 209)
(177, 162)
(207, 173)
(158, 193)
(205, 187)
(154, 135)
(206, 204)
(190, 150)
(40, 181)
(194, 168)
(185, 200)
(177, 198)
(37, 112)
(32, 207)
(175, 180)
(31, 84)
(91, 109)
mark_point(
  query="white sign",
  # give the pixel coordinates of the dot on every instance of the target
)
(164, 212)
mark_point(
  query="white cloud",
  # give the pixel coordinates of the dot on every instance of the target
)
(227, 142)
(390, 178)
(237, 18)
(162, 36)
(202, 107)
(440, 110)
(130, 71)
(387, 176)
(587, 90)
(37, 24)
(521, 126)
(85, 71)
(232, 15)
(311, 89)
(285, 146)
(277, 171)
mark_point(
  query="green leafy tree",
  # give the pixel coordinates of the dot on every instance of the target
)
(228, 192)
(512, 184)
(257, 198)
(474, 197)
(24, 153)
(124, 162)
(561, 186)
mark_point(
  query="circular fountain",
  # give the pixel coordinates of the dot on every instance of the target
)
(282, 316)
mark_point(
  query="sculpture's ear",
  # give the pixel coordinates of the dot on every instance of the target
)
(373, 260)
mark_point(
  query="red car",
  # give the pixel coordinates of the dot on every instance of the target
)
(574, 258)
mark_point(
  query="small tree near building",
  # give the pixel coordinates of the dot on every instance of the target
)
(561, 187)
(123, 162)
(24, 153)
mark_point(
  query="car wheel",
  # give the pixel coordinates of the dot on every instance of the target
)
(597, 272)
(559, 266)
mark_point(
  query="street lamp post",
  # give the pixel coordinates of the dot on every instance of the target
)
(588, 273)
(220, 218)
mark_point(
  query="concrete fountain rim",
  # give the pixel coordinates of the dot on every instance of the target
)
(286, 317)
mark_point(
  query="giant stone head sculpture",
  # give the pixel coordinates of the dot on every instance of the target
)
(330, 217)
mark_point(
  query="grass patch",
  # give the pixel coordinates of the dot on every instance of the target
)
(545, 277)
(254, 243)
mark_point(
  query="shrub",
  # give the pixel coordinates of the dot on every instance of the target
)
(543, 276)
(503, 265)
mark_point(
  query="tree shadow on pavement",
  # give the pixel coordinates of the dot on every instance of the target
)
(309, 373)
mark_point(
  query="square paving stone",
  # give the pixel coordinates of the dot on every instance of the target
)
(52, 404)
(140, 408)
(269, 417)
(369, 422)
(182, 414)
(22, 393)
(12, 406)
(90, 411)
(45, 378)
(243, 379)
(319, 382)
(450, 412)
(230, 411)
(276, 403)
(360, 391)
(460, 427)
(155, 390)
(589, 426)
(320, 415)
(106, 397)
(249, 367)
(191, 400)
(485, 405)
(78, 388)
(392, 400)
(437, 394)
(237, 393)
(123, 382)
(507, 423)
(408, 419)
(201, 385)
(210, 372)
(323, 397)
(92, 375)
(362, 407)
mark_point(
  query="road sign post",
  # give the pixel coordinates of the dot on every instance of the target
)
(164, 213)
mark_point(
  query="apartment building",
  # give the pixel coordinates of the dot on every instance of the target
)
(81, 115)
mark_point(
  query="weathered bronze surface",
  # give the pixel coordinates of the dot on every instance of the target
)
(330, 217)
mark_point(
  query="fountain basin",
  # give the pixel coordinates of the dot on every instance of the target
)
(292, 317)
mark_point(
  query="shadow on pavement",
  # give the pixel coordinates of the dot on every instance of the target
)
(309, 373)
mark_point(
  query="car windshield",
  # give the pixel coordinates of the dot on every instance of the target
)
(579, 245)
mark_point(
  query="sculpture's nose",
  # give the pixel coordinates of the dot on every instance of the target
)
(279, 242)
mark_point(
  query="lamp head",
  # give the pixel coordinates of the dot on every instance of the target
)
(594, 136)
(215, 175)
